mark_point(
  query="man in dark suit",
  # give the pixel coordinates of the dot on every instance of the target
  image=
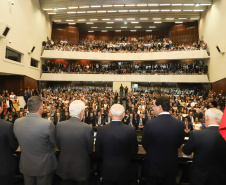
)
(75, 141)
(209, 147)
(36, 137)
(117, 145)
(8, 145)
(161, 139)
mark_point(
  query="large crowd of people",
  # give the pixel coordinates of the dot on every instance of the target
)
(124, 45)
(126, 68)
(188, 106)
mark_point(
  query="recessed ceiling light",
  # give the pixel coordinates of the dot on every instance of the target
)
(117, 30)
(104, 31)
(95, 6)
(133, 10)
(164, 4)
(112, 11)
(176, 4)
(71, 23)
(156, 18)
(122, 11)
(81, 12)
(74, 7)
(165, 10)
(144, 10)
(91, 11)
(57, 21)
(142, 5)
(61, 8)
(118, 5)
(138, 27)
(143, 19)
(130, 5)
(153, 4)
(187, 10)
(134, 22)
(154, 10)
(94, 27)
(176, 10)
(69, 20)
(194, 18)
(71, 12)
(93, 19)
(89, 23)
(133, 30)
(107, 5)
(179, 22)
(90, 31)
(81, 20)
(157, 22)
(197, 4)
(83, 6)
(169, 19)
(108, 27)
(55, 9)
(148, 30)
(182, 18)
(118, 19)
(101, 11)
(198, 10)
(52, 13)
(125, 22)
(105, 19)
(46, 9)
(188, 4)
(110, 22)
(130, 19)
(205, 4)
(152, 26)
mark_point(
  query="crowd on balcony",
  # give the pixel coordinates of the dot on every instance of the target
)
(186, 105)
(125, 45)
(126, 68)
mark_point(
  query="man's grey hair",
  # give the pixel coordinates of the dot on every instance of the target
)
(117, 110)
(76, 107)
(34, 103)
(214, 114)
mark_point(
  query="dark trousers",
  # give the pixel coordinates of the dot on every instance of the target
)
(38, 180)
(7, 179)
(161, 181)
(71, 182)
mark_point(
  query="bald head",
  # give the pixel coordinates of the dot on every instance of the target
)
(117, 112)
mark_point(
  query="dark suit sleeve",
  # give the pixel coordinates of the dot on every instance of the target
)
(189, 147)
(89, 135)
(134, 148)
(98, 147)
(52, 134)
(13, 143)
(145, 136)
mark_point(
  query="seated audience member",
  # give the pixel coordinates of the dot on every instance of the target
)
(10, 118)
(116, 144)
(57, 118)
(197, 125)
(187, 126)
(8, 145)
(209, 147)
(36, 137)
(91, 120)
(49, 117)
(75, 141)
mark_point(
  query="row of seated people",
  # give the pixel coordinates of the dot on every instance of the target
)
(120, 46)
(125, 68)
(139, 107)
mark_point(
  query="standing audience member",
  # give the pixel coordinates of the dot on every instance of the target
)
(36, 137)
(117, 145)
(209, 147)
(75, 141)
(8, 145)
(161, 139)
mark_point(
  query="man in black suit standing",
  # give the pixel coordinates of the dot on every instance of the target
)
(75, 141)
(117, 145)
(8, 145)
(161, 139)
(209, 147)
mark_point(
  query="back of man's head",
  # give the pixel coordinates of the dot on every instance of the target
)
(34, 103)
(76, 107)
(164, 101)
(117, 110)
(214, 116)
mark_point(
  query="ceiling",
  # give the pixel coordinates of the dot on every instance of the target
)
(119, 15)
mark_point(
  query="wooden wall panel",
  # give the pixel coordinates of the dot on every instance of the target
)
(65, 32)
(30, 83)
(219, 86)
(184, 34)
